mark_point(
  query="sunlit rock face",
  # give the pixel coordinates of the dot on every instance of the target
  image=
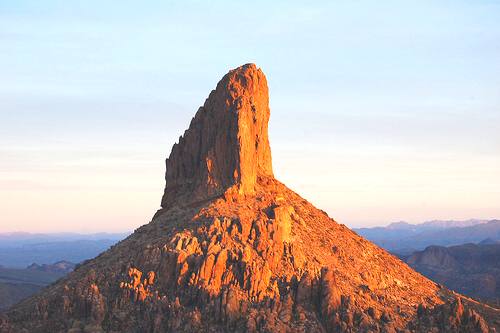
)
(226, 145)
(235, 250)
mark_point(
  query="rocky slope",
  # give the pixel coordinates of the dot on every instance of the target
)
(233, 249)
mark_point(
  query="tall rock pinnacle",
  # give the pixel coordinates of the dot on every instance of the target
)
(258, 259)
(226, 145)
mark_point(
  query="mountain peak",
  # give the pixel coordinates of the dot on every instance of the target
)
(235, 250)
(226, 145)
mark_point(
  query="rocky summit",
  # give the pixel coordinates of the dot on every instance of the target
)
(234, 250)
(226, 145)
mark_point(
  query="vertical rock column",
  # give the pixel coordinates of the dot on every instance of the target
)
(226, 145)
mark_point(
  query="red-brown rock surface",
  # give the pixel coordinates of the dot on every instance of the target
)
(233, 249)
(226, 145)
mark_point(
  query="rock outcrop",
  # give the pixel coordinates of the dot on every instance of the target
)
(235, 250)
(226, 145)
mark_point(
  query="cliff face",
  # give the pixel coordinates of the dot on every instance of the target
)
(226, 145)
(233, 249)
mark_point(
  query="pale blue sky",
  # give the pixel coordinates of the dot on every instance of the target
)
(380, 110)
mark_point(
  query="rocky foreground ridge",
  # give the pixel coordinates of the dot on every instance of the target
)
(235, 250)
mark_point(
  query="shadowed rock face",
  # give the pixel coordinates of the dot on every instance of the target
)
(235, 250)
(226, 145)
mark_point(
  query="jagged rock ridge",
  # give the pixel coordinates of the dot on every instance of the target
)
(233, 249)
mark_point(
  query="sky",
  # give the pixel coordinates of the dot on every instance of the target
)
(381, 111)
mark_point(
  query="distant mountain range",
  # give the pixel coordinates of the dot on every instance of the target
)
(471, 269)
(405, 238)
(18, 250)
(9, 239)
(29, 262)
(62, 267)
(19, 283)
(462, 255)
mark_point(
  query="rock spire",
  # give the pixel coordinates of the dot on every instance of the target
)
(226, 145)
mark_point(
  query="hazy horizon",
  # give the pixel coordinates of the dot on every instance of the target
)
(379, 112)
(127, 232)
